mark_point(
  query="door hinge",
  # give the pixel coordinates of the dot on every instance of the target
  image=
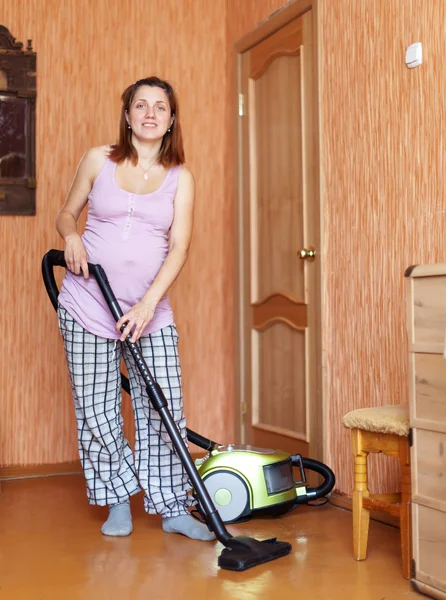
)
(410, 437)
(241, 105)
(244, 408)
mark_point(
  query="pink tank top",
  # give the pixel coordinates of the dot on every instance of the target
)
(127, 234)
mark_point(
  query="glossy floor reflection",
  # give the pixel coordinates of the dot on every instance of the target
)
(51, 548)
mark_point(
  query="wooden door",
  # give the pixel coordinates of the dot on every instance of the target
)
(279, 348)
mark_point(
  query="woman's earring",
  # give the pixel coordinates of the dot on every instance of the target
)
(168, 130)
(128, 126)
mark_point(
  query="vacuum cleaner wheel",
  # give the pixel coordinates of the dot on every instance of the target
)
(229, 494)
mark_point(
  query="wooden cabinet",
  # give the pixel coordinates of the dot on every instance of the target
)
(427, 338)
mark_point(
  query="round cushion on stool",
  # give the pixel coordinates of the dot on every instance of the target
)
(380, 419)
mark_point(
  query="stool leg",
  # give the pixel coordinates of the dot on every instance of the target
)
(405, 508)
(361, 516)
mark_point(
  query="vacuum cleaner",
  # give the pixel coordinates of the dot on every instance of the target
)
(231, 482)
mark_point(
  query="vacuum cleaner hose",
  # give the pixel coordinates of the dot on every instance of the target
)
(326, 486)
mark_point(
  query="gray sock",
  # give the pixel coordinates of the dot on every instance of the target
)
(119, 520)
(187, 525)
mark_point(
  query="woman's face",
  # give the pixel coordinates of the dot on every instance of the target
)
(149, 114)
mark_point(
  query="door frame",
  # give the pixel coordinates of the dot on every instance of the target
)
(278, 20)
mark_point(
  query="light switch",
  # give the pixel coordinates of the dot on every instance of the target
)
(414, 55)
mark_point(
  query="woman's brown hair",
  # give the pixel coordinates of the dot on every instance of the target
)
(171, 152)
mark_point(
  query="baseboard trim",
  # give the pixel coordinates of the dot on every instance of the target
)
(47, 470)
(344, 501)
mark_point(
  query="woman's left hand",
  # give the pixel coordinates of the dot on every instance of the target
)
(135, 320)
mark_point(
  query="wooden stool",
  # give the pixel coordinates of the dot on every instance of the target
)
(383, 429)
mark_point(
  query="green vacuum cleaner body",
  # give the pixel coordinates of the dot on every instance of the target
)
(242, 480)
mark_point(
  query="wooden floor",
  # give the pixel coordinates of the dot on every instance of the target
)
(51, 548)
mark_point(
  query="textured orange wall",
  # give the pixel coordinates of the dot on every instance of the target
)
(385, 208)
(245, 15)
(87, 52)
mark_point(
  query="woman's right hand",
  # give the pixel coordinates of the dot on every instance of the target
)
(75, 255)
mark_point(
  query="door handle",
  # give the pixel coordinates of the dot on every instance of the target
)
(307, 254)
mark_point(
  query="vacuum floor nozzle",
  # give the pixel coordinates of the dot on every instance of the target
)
(242, 552)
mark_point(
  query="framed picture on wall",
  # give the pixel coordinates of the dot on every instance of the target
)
(17, 126)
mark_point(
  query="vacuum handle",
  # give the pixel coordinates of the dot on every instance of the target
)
(52, 259)
(56, 258)
(296, 461)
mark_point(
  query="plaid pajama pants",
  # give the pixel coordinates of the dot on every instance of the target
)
(112, 474)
